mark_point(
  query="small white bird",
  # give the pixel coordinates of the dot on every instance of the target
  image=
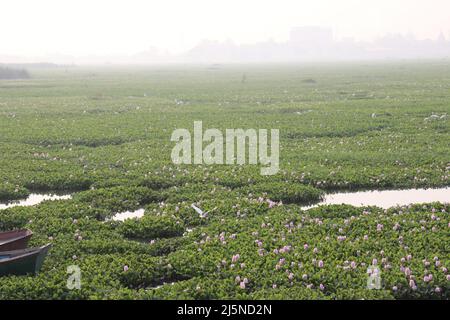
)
(201, 212)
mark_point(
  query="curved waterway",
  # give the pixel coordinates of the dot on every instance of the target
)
(385, 198)
(34, 199)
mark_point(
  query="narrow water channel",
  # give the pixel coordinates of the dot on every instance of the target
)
(122, 216)
(34, 199)
(385, 198)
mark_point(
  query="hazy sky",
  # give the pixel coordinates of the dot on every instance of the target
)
(79, 27)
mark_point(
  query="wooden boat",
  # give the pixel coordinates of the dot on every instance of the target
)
(14, 240)
(24, 261)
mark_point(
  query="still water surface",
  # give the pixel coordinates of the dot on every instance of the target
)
(34, 199)
(385, 198)
(122, 216)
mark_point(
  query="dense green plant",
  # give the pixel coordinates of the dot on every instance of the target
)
(152, 227)
(105, 139)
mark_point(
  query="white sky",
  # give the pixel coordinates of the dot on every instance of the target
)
(80, 27)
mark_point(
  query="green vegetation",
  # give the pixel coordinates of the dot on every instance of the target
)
(103, 134)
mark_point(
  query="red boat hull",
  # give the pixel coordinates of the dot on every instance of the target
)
(14, 240)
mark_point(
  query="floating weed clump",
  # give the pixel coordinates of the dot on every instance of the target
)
(10, 192)
(285, 192)
(152, 227)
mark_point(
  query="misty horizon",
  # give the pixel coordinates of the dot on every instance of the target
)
(142, 32)
(306, 43)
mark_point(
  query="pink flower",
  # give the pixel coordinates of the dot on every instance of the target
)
(353, 264)
(448, 277)
(315, 250)
(320, 264)
(366, 237)
(321, 287)
(274, 286)
(408, 257)
(438, 290)
(305, 246)
(379, 227)
(235, 258)
(237, 279)
(407, 272)
(242, 285)
(374, 262)
(412, 284)
(291, 276)
(125, 268)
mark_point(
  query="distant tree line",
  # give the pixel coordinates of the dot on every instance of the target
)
(12, 73)
(45, 65)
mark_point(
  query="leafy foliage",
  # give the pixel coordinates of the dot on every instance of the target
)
(105, 137)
